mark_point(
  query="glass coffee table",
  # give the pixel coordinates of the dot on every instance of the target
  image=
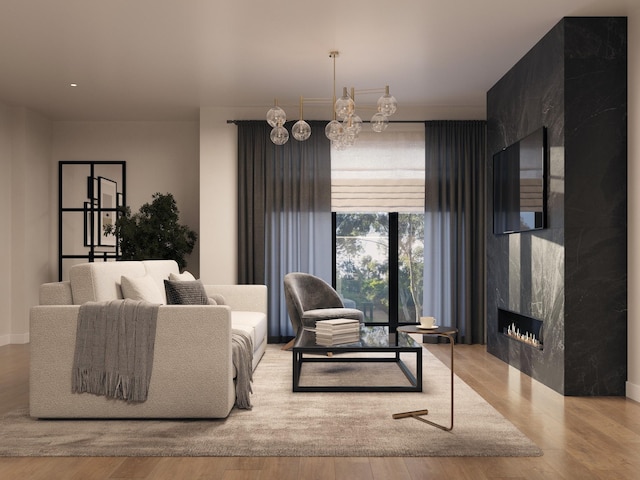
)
(373, 340)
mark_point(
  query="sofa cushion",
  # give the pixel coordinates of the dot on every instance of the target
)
(216, 297)
(141, 288)
(182, 277)
(186, 293)
(254, 323)
(100, 281)
(161, 270)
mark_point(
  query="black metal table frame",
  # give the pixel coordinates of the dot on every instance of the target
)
(323, 352)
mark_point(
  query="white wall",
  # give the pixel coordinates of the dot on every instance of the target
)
(633, 130)
(161, 157)
(5, 219)
(218, 197)
(25, 143)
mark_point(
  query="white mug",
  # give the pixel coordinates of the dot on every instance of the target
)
(427, 322)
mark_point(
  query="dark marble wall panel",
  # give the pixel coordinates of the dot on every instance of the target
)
(571, 275)
(525, 271)
(595, 322)
(595, 122)
(595, 205)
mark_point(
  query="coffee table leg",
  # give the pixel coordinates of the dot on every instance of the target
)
(297, 365)
(417, 414)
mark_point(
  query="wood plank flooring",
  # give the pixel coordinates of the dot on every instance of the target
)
(582, 437)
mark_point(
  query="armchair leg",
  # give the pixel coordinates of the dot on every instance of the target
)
(289, 345)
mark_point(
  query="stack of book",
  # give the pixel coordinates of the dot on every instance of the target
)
(337, 331)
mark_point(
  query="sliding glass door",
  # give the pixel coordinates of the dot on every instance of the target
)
(379, 264)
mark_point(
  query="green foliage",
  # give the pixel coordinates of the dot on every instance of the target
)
(364, 276)
(154, 232)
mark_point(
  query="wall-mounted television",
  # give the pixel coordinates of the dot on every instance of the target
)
(519, 185)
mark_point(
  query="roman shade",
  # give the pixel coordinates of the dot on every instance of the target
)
(382, 172)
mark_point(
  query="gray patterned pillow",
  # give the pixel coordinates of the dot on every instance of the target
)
(185, 293)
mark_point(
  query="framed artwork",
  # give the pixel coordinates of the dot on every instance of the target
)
(107, 205)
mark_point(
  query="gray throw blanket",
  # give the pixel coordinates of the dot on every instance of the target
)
(242, 356)
(115, 342)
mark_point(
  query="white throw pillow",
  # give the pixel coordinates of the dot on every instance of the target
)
(181, 277)
(141, 288)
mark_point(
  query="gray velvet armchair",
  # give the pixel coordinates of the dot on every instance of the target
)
(310, 299)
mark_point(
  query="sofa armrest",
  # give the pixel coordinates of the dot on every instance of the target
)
(247, 298)
(56, 293)
(192, 373)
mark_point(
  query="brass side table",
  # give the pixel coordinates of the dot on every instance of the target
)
(448, 332)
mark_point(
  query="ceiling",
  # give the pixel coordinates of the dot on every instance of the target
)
(166, 59)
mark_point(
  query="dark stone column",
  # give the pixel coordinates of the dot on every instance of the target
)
(571, 275)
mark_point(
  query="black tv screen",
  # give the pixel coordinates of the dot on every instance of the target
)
(519, 201)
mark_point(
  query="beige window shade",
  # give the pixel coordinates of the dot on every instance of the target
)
(382, 172)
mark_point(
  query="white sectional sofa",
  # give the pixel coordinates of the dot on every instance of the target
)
(193, 374)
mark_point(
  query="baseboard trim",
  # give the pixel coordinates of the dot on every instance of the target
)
(14, 339)
(633, 391)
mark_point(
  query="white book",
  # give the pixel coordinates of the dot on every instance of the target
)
(335, 322)
(332, 331)
(326, 343)
(338, 335)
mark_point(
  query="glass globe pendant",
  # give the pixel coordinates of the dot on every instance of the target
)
(345, 105)
(353, 124)
(276, 116)
(379, 122)
(387, 104)
(279, 135)
(334, 130)
(301, 131)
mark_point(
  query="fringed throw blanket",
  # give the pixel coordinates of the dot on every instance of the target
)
(242, 355)
(114, 349)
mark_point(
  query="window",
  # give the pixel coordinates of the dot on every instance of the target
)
(378, 219)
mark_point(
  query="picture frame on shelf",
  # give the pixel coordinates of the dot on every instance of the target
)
(107, 210)
(92, 188)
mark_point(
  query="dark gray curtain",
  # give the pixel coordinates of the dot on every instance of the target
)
(284, 218)
(455, 225)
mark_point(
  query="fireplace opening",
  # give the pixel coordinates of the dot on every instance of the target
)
(521, 328)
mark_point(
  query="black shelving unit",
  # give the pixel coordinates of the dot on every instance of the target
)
(92, 210)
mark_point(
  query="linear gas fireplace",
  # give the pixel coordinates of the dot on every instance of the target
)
(521, 328)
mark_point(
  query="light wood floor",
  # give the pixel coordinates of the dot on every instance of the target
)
(582, 438)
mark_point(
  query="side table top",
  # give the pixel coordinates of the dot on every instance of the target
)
(427, 331)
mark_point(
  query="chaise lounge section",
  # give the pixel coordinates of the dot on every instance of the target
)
(193, 373)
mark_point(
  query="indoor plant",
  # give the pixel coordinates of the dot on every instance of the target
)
(153, 233)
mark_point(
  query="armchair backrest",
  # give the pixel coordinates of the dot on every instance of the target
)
(305, 292)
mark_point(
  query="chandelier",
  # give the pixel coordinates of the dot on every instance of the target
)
(346, 125)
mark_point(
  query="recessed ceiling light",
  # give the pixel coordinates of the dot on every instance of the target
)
(73, 84)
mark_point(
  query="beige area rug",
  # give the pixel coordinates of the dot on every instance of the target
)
(283, 423)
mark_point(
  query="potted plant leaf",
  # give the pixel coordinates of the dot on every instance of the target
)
(153, 233)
